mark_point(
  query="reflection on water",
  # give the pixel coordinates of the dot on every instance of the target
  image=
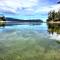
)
(55, 27)
(28, 42)
(54, 31)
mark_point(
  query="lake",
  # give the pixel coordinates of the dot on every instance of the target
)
(30, 42)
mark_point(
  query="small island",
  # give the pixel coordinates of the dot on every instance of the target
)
(53, 22)
(2, 21)
(54, 17)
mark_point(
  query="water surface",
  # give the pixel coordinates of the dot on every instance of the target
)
(29, 42)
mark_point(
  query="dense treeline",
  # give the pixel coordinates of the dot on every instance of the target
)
(54, 16)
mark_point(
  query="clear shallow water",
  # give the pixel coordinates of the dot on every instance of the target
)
(29, 42)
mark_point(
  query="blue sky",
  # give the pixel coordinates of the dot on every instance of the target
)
(28, 9)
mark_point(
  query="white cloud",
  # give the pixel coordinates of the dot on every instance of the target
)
(13, 5)
(46, 9)
(55, 7)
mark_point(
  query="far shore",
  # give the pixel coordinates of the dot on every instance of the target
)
(51, 22)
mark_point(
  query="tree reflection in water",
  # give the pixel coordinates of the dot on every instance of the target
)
(54, 31)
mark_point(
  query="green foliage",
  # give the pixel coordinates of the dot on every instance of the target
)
(52, 15)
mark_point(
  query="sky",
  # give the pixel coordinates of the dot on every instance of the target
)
(28, 9)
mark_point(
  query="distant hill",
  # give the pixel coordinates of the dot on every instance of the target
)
(12, 21)
(20, 20)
